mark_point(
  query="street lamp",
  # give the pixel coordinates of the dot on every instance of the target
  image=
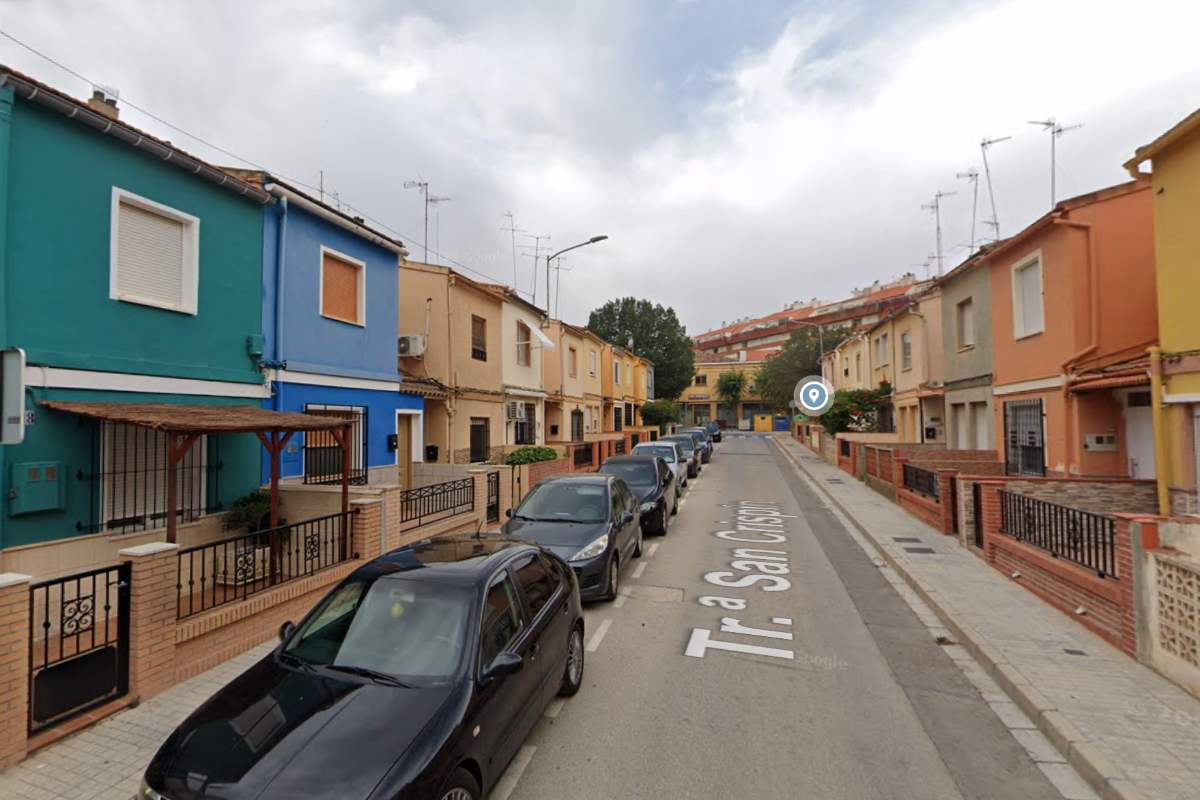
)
(553, 256)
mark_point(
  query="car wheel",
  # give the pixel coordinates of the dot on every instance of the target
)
(573, 671)
(613, 578)
(637, 548)
(462, 786)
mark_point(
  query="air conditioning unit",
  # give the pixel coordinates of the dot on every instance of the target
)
(515, 410)
(411, 346)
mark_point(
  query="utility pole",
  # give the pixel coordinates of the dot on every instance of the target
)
(422, 186)
(936, 207)
(1055, 129)
(552, 256)
(559, 269)
(983, 148)
(972, 175)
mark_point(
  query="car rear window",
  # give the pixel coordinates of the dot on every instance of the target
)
(666, 453)
(635, 473)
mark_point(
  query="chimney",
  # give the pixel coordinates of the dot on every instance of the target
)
(104, 101)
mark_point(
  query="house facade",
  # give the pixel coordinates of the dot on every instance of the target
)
(917, 393)
(1073, 313)
(702, 403)
(524, 346)
(157, 299)
(460, 368)
(329, 329)
(591, 369)
(966, 339)
(1174, 159)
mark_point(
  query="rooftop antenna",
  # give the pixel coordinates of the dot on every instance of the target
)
(422, 186)
(983, 147)
(972, 175)
(936, 207)
(513, 231)
(925, 265)
(537, 249)
(1055, 129)
(558, 270)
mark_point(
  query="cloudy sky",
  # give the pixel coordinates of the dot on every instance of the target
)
(739, 154)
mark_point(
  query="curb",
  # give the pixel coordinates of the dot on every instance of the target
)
(1092, 766)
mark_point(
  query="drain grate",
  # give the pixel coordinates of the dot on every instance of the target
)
(905, 539)
(1073, 652)
(920, 550)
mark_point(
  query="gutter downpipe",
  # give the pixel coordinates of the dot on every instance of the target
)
(1093, 335)
(280, 277)
(6, 112)
(1160, 430)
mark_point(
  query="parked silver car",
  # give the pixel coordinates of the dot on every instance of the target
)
(670, 452)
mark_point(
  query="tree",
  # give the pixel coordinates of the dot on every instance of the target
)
(800, 357)
(650, 331)
(856, 409)
(660, 412)
(730, 388)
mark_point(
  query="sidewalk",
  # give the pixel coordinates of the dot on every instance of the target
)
(1128, 731)
(106, 761)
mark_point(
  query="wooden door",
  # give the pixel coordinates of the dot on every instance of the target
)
(404, 449)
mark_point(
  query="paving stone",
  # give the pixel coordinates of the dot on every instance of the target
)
(1068, 782)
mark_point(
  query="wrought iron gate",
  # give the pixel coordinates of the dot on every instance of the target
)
(977, 516)
(322, 454)
(78, 643)
(1023, 438)
(493, 496)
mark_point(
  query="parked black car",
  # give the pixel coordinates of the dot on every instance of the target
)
(690, 451)
(591, 521)
(418, 676)
(714, 430)
(653, 484)
(700, 435)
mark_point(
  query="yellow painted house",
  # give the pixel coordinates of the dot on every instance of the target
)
(1174, 160)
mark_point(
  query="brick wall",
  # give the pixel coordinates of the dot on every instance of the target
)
(1100, 495)
(544, 469)
(1103, 605)
(14, 667)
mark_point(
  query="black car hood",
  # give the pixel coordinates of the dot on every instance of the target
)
(277, 733)
(554, 535)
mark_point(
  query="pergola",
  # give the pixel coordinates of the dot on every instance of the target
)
(184, 424)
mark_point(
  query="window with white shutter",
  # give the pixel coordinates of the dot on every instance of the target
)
(1027, 297)
(154, 254)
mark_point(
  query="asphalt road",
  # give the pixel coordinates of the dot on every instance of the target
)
(839, 692)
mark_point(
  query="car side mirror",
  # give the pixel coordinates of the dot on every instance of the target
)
(666, 481)
(508, 513)
(626, 518)
(503, 664)
(286, 630)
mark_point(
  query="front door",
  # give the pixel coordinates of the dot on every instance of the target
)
(479, 440)
(404, 449)
(1023, 438)
(1139, 435)
(577, 426)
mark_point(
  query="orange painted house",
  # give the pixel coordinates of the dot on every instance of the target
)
(1073, 312)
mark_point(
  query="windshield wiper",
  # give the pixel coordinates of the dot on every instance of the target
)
(373, 674)
(302, 664)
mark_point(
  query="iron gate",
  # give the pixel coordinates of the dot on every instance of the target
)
(322, 455)
(1023, 438)
(493, 496)
(78, 643)
(977, 505)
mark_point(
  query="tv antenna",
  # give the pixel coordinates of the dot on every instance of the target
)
(935, 206)
(422, 186)
(558, 270)
(972, 175)
(537, 251)
(987, 171)
(1055, 129)
(513, 231)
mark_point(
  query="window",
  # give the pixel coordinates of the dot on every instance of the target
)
(881, 350)
(858, 366)
(524, 429)
(154, 255)
(572, 362)
(617, 373)
(906, 350)
(478, 338)
(501, 620)
(965, 323)
(1027, 297)
(846, 366)
(133, 479)
(343, 288)
(524, 344)
(702, 380)
(537, 584)
(480, 449)
(592, 363)
(628, 414)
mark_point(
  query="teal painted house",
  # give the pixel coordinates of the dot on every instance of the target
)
(130, 272)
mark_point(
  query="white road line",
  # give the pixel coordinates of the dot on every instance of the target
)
(555, 707)
(638, 570)
(653, 549)
(508, 781)
(622, 596)
(594, 643)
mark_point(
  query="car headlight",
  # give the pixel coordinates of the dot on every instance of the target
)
(647, 507)
(146, 793)
(592, 550)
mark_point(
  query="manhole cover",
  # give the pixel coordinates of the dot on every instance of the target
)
(905, 539)
(921, 550)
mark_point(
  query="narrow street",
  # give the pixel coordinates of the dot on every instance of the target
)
(853, 699)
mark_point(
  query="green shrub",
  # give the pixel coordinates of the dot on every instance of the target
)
(661, 412)
(531, 455)
(249, 513)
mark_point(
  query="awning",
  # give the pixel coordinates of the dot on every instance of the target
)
(1111, 382)
(524, 393)
(541, 337)
(199, 419)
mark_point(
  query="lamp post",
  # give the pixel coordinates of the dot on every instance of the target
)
(553, 256)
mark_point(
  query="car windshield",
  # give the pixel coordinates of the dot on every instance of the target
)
(565, 501)
(635, 473)
(414, 631)
(686, 443)
(665, 453)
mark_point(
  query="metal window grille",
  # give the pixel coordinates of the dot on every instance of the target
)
(844, 444)
(1069, 533)
(323, 455)
(129, 479)
(583, 455)
(922, 481)
(1023, 438)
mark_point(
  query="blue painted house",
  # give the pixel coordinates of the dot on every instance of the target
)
(329, 317)
(130, 272)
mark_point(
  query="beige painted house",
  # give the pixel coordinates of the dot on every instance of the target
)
(915, 364)
(461, 366)
(591, 367)
(702, 403)
(525, 345)
(849, 365)
(565, 378)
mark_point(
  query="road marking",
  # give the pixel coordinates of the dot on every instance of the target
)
(555, 707)
(508, 781)
(653, 549)
(594, 643)
(622, 596)
(638, 570)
